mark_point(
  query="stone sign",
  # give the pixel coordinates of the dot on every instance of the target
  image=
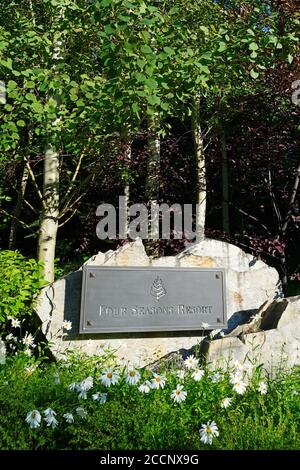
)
(137, 299)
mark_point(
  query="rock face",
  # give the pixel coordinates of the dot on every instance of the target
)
(249, 283)
(272, 338)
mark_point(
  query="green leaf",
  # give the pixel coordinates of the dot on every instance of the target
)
(80, 103)
(7, 63)
(254, 74)
(204, 29)
(11, 85)
(253, 46)
(141, 63)
(146, 49)
(21, 123)
(37, 107)
(140, 77)
(222, 47)
(30, 97)
(153, 100)
(135, 108)
(165, 106)
(169, 50)
(108, 29)
(151, 84)
(290, 58)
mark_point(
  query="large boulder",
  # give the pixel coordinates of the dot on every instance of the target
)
(271, 339)
(249, 283)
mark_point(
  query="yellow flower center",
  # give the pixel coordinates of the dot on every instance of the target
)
(109, 375)
(157, 379)
(132, 373)
(208, 430)
(177, 392)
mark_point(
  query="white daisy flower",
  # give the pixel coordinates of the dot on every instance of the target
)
(9, 337)
(263, 388)
(82, 394)
(214, 333)
(198, 374)
(191, 362)
(239, 387)
(73, 386)
(145, 387)
(2, 349)
(180, 374)
(67, 325)
(204, 325)
(49, 412)
(236, 377)
(132, 376)
(226, 402)
(28, 352)
(158, 381)
(30, 369)
(15, 323)
(33, 419)
(87, 384)
(100, 397)
(178, 395)
(28, 340)
(294, 392)
(208, 431)
(216, 377)
(69, 418)
(56, 378)
(50, 418)
(109, 377)
(81, 412)
(51, 422)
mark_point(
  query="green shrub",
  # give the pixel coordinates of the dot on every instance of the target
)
(20, 280)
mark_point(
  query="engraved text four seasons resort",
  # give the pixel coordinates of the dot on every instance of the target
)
(136, 310)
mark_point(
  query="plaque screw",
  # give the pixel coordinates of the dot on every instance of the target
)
(218, 320)
(92, 275)
(217, 276)
(89, 323)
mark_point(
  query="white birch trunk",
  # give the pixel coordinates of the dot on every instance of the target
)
(126, 139)
(50, 215)
(152, 184)
(49, 220)
(200, 169)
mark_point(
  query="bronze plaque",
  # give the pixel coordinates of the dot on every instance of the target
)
(135, 299)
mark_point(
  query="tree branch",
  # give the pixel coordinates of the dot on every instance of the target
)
(33, 179)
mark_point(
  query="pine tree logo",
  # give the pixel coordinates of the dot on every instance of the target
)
(158, 289)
